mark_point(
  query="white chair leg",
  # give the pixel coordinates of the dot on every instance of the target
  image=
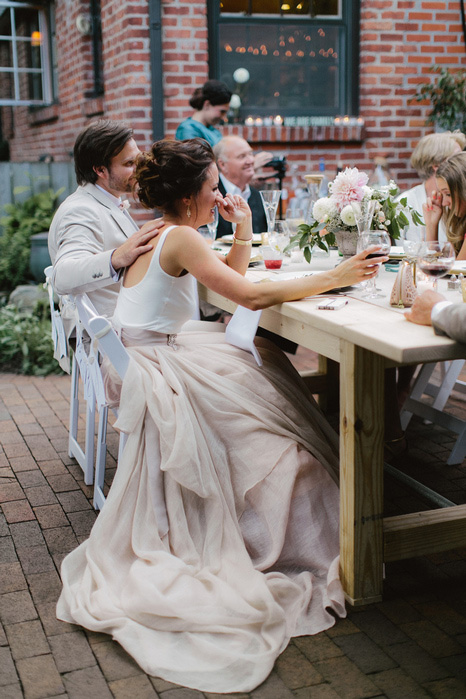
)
(74, 407)
(418, 389)
(88, 466)
(448, 383)
(101, 455)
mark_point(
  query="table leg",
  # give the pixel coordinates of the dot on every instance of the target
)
(361, 473)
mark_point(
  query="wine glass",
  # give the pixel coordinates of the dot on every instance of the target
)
(436, 259)
(363, 213)
(369, 239)
(270, 199)
(212, 225)
(412, 247)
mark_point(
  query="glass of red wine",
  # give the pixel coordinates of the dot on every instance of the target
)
(436, 259)
(380, 242)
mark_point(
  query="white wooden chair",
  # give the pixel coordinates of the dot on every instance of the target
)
(84, 457)
(416, 404)
(104, 340)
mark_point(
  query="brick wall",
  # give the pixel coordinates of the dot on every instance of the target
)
(400, 40)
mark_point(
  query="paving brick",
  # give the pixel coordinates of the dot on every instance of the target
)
(317, 647)
(35, 559)
(428, 636)
(73, 501)
(62, 482)
(366, 654)
(24, 462)
(18, 511)
(4, 528)
(16, 607)
(12, 691)
(295, 669)
(16, 450)
(11, 577)
(342, 628)
(10, 491)
(33, 478)
(416, 662)
(7, 550)
(71, 651)
(135, 688)
(53, 467)
(114, 661)
(346, 679)
(8, 674)
(451, 688)
(25, 534)
(378, 627)
(42, 495)
(60, 539)
(88, 683)
(456, 666)
(39, 677)
(27, 639)
(82, 522)
(3, 638)
(52, 626)
(396, 683)
(320, 691)
(50, 516)
(399, 611)
(44, 587)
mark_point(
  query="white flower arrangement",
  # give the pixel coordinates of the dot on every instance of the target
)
(335, 212)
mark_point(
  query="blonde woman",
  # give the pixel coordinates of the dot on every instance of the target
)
(447, 204)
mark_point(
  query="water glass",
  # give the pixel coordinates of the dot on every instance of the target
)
(212, 225)
(279, 237)
(363, 213)
(208, 234)
(272, 257)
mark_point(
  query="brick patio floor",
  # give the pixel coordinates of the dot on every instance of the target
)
(413, 644)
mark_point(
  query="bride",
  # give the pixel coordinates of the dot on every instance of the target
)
(218, 541)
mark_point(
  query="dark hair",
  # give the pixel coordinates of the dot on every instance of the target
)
(213, 90)
(96, 145)
(170, 171)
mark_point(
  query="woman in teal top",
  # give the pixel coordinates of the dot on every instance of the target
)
(211, 102)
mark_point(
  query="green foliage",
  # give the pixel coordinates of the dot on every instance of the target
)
(25, 341)
(447, 95)
(23, 220)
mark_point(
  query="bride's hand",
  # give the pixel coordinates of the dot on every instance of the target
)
(358, 268)
(233, 208)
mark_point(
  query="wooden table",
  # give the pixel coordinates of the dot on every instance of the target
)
(365, 339)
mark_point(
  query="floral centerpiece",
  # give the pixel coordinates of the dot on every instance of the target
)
(335, 213)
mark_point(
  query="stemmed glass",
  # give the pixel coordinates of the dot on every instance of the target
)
(209, 231)
(436, 259)
(363, 214)
(412, 247)
(368, 239)
(212, 225)
(270, 199)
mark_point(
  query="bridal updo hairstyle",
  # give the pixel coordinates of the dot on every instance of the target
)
(214, 91)
(170, 171)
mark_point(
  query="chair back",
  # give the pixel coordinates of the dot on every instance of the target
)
(59, 339)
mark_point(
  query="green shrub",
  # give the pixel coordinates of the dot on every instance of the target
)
(447, 95)
(23, 220)
(25, 341)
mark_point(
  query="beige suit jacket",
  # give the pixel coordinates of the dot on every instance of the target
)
(85, 230)
(451, 321)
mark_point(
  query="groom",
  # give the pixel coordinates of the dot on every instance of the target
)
(92, 236)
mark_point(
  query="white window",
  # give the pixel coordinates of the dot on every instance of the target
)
(25, 54)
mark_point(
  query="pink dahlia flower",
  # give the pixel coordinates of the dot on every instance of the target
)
(348, 186)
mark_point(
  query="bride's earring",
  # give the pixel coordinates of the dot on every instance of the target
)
(188, 211)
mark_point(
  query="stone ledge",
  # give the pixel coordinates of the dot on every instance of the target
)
(93, 106)
(342, 133)
(42, 115)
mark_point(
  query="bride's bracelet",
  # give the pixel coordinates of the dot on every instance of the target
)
(241, 242)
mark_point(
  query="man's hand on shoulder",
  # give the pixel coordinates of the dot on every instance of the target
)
(421, 310)
(137, 244)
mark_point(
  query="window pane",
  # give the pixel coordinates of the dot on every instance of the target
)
(277, 7)
(291, 67)
(6, 86)
(6, 55)
(234, 6)
(5, 21)
(325, 7)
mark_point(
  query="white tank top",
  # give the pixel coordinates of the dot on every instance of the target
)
(159, 301)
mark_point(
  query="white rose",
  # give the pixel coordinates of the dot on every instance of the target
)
(347, 215)
(381, 216)
(323, 208)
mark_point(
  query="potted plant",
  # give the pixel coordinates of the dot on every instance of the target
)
(447, 95)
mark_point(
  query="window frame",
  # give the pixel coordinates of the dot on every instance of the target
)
(349, 63)
(45, 71)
